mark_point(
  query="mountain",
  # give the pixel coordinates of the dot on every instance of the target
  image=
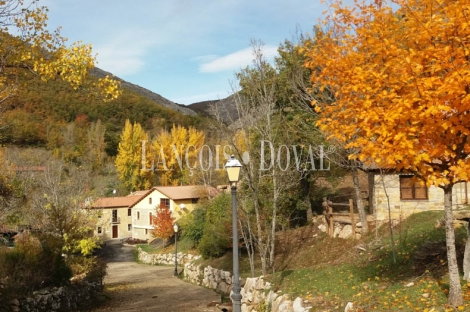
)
(40, 114)
(224, 108)
(155, 97)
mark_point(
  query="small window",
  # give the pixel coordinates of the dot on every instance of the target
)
(164, 202)
(146, 231)
(138, 215)
(411, 189)
(150, 218)
(100, 230)
(129, 212)
(194, 200)
(114, 216)
(129, 227)
(150, 200)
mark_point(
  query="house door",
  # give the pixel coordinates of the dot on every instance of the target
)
(115, 231)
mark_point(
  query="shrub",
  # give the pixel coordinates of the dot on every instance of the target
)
(192, 224)
(216, 237)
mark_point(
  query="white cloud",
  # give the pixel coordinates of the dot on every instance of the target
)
(124, 54)
(234, 61)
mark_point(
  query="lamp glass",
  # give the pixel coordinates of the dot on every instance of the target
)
(233, 167)
(176, 228)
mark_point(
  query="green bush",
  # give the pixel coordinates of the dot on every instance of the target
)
(216, 237)
(192, 224)
(35, 263)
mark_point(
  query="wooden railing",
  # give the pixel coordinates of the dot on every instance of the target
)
(343, 217)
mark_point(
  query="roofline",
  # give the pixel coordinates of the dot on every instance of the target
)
(142, 197)
(157, 188)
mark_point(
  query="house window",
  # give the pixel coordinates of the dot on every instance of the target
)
(411, 188)
(164, 202)
(194, 200)
(114, 216)
(150, 218)
(146, 231)
(129, 227)
(129, 212)
(138, 215)
(150, 200)
(100, 230)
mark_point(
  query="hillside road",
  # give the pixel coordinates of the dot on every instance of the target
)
(142, 287)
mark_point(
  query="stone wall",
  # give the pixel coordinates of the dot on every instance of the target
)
(219, 280)
(256, 292)
(66, 298)
(341, 230)
(400, 209)
(166, 259)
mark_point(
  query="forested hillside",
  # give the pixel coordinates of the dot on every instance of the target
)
(37, 116)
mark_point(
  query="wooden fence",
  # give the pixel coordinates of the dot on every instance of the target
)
(331, 216)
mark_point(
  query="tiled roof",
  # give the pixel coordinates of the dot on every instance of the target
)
(140, 193)
(115, 202)
(186, 191)
(182, 192)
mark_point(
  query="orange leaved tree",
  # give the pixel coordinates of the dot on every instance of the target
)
(401, 79)
(162, 223)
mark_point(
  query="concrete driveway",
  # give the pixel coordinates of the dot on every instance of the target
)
(142, 287)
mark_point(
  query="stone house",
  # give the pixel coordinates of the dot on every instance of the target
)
(406, 195)
(179, 199)
(114, 216)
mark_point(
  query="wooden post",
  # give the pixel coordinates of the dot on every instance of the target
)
(351, 212)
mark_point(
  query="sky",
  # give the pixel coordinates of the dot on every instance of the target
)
(185, 50)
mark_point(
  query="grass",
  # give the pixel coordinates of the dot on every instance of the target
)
(184, 245)
(329, 273)
(417, 281)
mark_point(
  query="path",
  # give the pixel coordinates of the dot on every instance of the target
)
(142, 287)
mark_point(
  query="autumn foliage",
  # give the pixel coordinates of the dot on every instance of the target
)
(399, 75)
(175, 152)
(162, 223)
(35, 49)
(401, 83)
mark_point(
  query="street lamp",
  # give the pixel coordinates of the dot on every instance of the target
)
(176, 228)
(233, 167)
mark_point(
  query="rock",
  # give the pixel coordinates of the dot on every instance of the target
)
(346, 231)
(349, 307)
(336, 232)
(297, 306)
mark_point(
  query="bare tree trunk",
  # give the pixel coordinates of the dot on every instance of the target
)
(273, 223)
(466, 256)
(392, 238)
(455, 290)
(359, 201)
(247, 235)
(305, 186)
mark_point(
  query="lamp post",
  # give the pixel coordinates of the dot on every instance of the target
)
(176, 228)
(233, 167)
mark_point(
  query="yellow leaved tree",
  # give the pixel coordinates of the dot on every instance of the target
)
(175, 154)
(400, 74)
(26, 46)
(132, 160)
